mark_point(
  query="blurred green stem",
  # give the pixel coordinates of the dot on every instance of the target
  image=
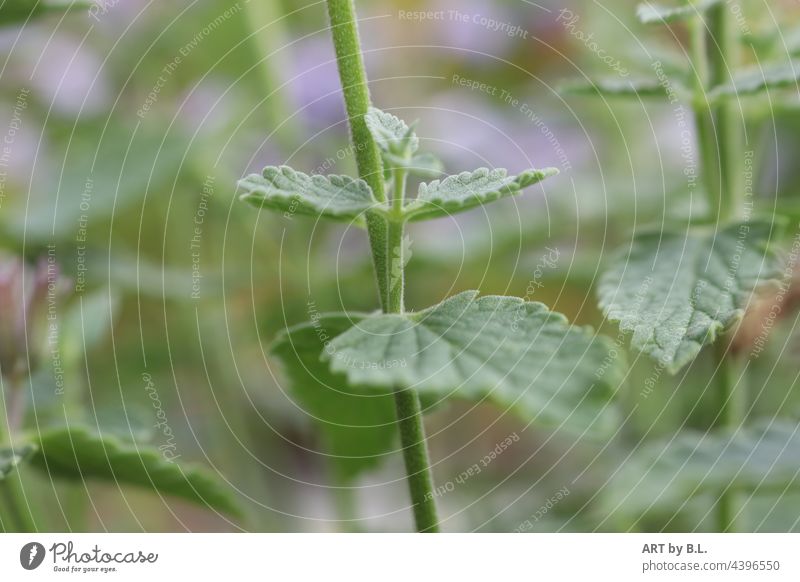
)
(714, 52)
(264, 19)
(16, 513)
(724, 58)
(386, 242)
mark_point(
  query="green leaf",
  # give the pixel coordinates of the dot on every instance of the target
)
(676, 291)
(358, 429)
(758, 80)
(515, 353)
(660, 477)
(391, 133)
(86, 323)
(76, 453)
(614, 87)
(792, 40)
(16, 11)
(10, 459)
(426, 166)
(653, 13)
(469, 190)
(99, 177)
(291, 192)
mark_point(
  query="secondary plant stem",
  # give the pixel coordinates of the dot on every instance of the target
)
(723, 56)
(386, 243)
(714, 52)
(731, 404)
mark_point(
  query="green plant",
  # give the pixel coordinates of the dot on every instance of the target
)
(385, 369)
(20, 11)
(66, 449)
(684, 288)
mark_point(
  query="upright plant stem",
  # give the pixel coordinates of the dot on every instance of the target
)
(714, 51)
(415, 455)
(356, 99)
(386, 243)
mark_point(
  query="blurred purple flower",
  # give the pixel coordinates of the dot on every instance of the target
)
(63, 72)
(472, 35)
(313, 82)
(208, 108)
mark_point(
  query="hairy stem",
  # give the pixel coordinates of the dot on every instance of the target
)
(356, 99)
(396, 249)
(395, 303)
(415, 454)
(386, 242)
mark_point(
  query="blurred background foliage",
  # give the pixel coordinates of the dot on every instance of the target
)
(136, 118)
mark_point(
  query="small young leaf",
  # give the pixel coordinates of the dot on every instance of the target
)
(616, 88)
(391, 133)
(10, 459)
(660, 477)
(290, 192)
(677, 291)
(77, 453)
(652, 13)
(426, 166)
(758, 80)
(359, 429)
(516, 353)
(468, 190)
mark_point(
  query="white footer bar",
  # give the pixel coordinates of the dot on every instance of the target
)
(389, 557)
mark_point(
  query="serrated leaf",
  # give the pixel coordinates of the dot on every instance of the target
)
(359, 429)
(653, 13)
(76, 453)
(10, 459)
(516, 353)
(285, 190)
(676, 291)
(468, 190)
(614, 87)
(758, 80)
(391, 133)
(659, 477)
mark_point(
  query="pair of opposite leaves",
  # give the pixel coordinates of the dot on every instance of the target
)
(518, 353)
